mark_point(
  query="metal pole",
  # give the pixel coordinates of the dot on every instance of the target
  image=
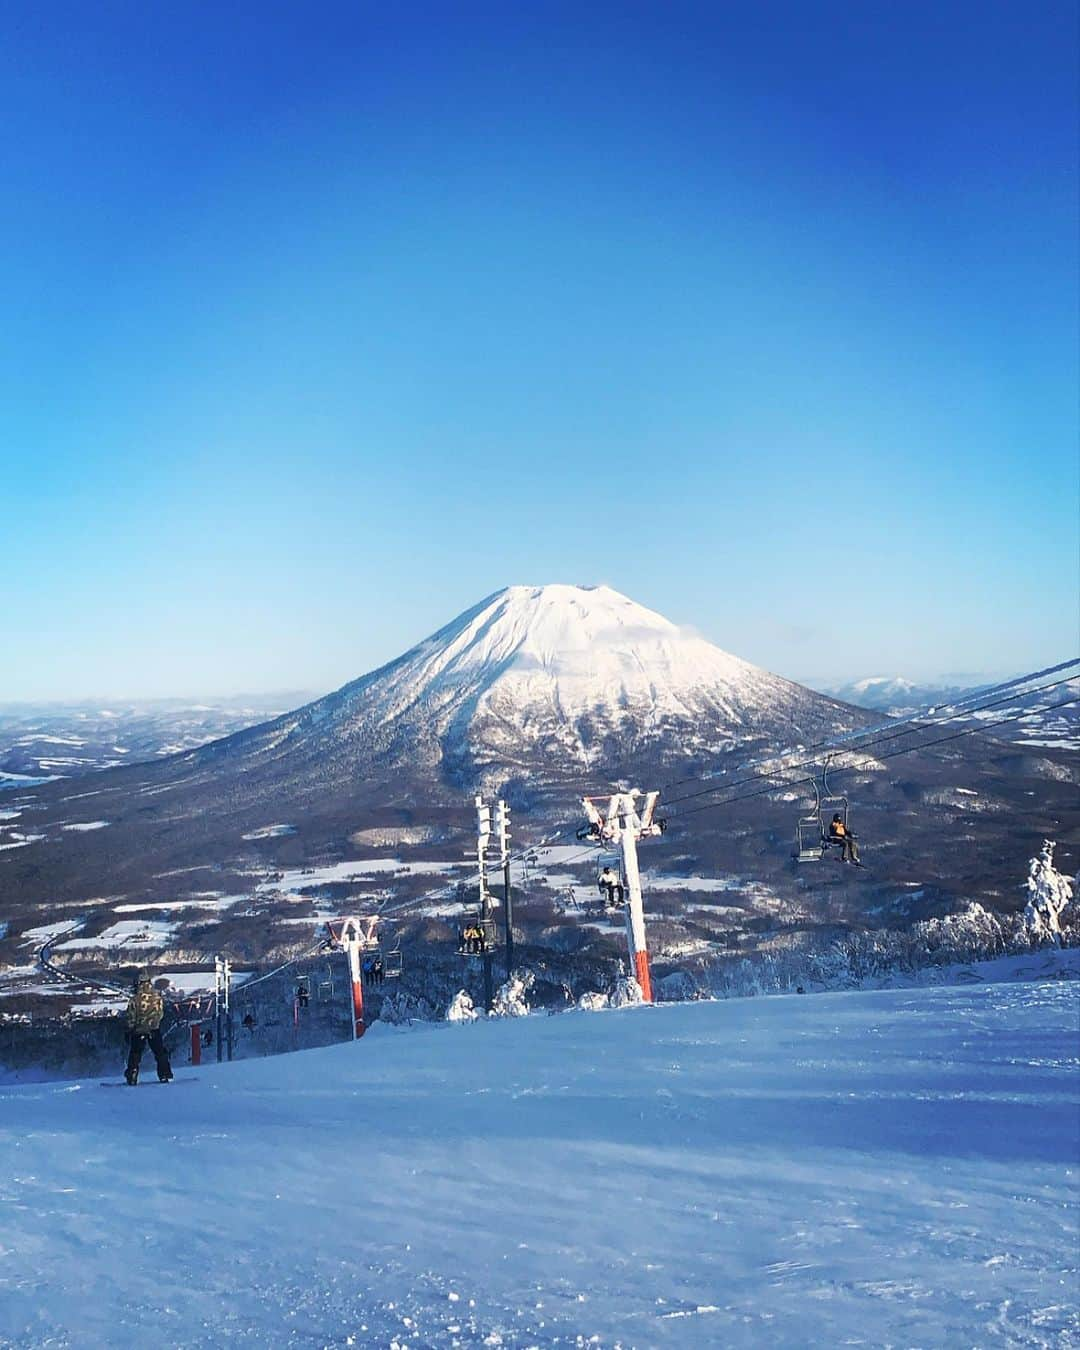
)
(489, 985)
(350, 935)
(509, 919)
(635, 910)
(218, 1010)
(228, 1009)
(508, 903)
(482, 834)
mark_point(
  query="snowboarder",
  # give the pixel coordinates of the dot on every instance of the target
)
(610, 883)
(377, 971)
(840, 834)
(144, 1014)
(303, 997)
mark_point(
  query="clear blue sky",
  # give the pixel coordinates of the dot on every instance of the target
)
(322, 321)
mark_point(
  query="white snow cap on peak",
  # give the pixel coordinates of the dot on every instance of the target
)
(582, 636)
(545, 675)
(562, 666)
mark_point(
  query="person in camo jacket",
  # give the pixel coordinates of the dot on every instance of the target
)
(144, 1014)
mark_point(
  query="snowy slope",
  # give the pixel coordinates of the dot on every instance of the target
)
(539, 678)
(887, 1168)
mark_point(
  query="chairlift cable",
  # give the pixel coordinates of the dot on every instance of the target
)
(318, 946)
(892, 754)
(866, 745)
(840, 743)
(878, 735)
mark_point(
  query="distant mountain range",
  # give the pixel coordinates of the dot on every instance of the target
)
(63, 740)
(897, 696)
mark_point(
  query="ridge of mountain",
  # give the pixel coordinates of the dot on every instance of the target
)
(549, 677)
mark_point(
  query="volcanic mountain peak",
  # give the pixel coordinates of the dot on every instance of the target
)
(526, 692)
(590, 640)
(558, 674)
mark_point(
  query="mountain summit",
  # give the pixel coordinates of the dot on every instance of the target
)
(537, 680)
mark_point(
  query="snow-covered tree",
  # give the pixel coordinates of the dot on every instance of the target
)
(461, 1008)
(627, 992)
(401, 1007)
(1048, 894)
(973, 934)
(593, 1002)
(510, 999)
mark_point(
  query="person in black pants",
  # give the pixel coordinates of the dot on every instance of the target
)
(840, 834)
(610, 885)
(144, 1014)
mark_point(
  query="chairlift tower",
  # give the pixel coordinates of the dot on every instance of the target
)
(483, 838)
(617, 821)
(502, 825)
(223, 1006)
(354, 935)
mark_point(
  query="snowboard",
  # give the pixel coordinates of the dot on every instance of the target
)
(150, 1082)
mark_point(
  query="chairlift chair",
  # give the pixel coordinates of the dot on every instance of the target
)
(809, 844)
(831, 804)
(392, 963)
(812, 838)
(477, 946)
(809, 831)
(612, 905)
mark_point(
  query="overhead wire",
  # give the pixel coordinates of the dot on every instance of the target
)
(892, 754)
(856, 743)
(840, 743)
(866, 742)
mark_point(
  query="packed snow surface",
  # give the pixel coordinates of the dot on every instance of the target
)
(895, 1167)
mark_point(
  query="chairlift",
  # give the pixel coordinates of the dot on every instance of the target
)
(372, 967)
(812, 838)
(476, 937)
(392, 963)
(611, 889)
(832, 803)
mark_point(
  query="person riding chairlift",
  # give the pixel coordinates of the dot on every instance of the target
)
(610, 883)
(840, 834)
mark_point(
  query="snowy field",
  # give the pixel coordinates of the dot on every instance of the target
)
(889, 1168)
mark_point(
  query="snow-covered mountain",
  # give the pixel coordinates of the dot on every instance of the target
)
(897, 695)
(544, 678)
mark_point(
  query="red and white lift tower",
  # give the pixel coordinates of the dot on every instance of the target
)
(618, 822)
(354, 935)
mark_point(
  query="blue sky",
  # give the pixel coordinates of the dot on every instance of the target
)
(323, 321)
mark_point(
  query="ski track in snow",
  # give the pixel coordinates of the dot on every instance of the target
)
(896, 1167)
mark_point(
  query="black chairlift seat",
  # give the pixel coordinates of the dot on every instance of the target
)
(392, 963)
